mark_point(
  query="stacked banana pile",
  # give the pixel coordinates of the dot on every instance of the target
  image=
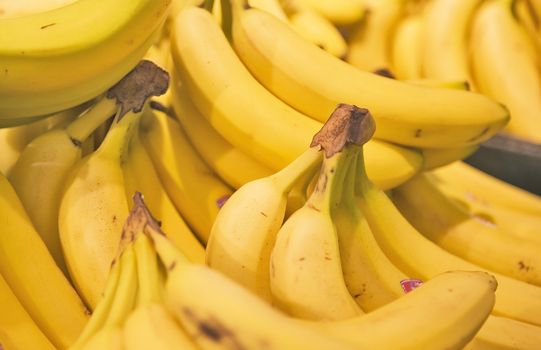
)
(211, 175)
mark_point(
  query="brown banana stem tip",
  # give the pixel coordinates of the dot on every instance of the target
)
(141, 83)
(348, 124)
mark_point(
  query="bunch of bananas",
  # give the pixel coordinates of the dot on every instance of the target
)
(270, 228)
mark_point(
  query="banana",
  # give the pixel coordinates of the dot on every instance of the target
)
(140, 175)
(106, 339)
(220, 314)
(32, 275)
(406, 48)
(506, 334)
(225, 93)
(514, 78)
(518, 223)
(446, 25)
(14, 140)
(194, 189)
(306, 276)
(47, 48)
(342, 12)
(17, 329)
(16, 9)
(398, 239)
(316, 28)
(435, 158)
(314, 82)
(40, 172)
(233, 166)
(493, 190)
(244, 231)
(369, 46)
(452, 228)
(370, 276)
(527, 18)
(298, 195)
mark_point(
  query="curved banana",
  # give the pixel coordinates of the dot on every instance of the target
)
(194, 189)
(232, 165)
(244, 231)
(435, 158)
(226, 94)
(514, 78)
(506, 334)
(318, 29)
(342, 12)
(446, 26)
(369, 45)
(140, 175)
(406, 46)
(493, 190)
(517, 223)
(314, 82)
(306, 275)
(106, 339)
(445, 223)
(210, 306)
(398, 239)
(32, 275)
(47, 48)
(41, 171)
(17, 329)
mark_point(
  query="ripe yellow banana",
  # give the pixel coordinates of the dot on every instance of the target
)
(195, 190)
(17, 329)
(227, 95)
(435, 158)
(503, 333)
(369, 46)
(140, 175)
(446, 26)
(220, 314)
(47, 48)
(244, 231)
(32, 275)
(517, 223)
(417, 256)
(318, 29)
(489, 188)
(444, 222)
(314, 82)
(406, 48)
(514, 78)
(232, 165)
(341, 12)
(40, 173)
(106, 339)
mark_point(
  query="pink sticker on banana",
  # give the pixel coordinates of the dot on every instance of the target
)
(410, 284)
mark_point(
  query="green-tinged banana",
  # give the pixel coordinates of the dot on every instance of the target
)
(517, 223)
(14, 140)
(444, 222)
(234, 166)
(446, 26)
(218, 313)
(31, 273)
(306, 276)
(17, 329)
(417, 256)
(406, 46)
(314, 82)
(490, 189)
(506, 334)
(369, 46)
(318, 29)
(449, 308)
(514, 78)
(244, 231)
(195, 190)
(438, 157)
(94, 205)
(140, 175)
(343, 12)
(40, 173)
(370, 276)
(227, 95)
(47, 48)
